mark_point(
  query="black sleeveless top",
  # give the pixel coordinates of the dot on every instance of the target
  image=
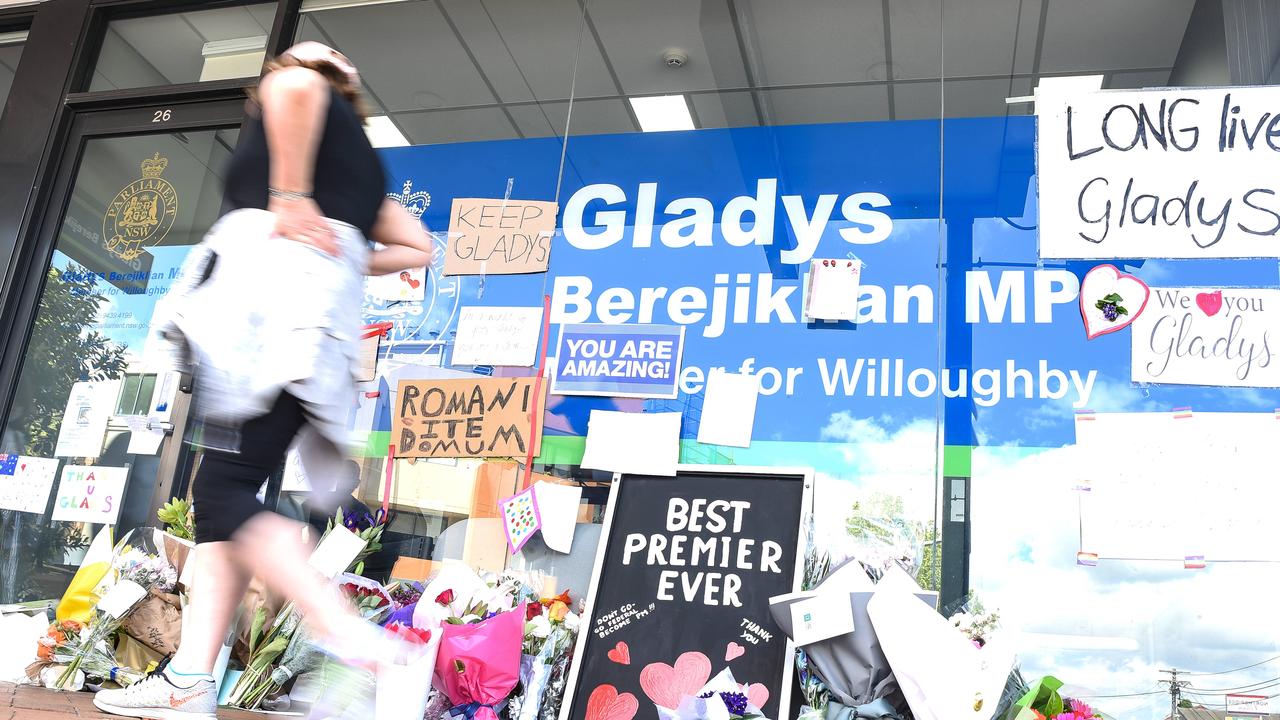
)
(349, 182)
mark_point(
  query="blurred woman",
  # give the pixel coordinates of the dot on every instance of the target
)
(267, 311)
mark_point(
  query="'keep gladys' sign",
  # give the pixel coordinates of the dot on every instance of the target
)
(1207, 336)
(1168, 173)
(484, 417)
(499, 236)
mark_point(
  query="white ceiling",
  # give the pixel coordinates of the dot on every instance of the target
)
(486, 69)
(459, 70)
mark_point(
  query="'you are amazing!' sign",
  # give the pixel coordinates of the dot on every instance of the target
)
(1170, 173)
(682, 586)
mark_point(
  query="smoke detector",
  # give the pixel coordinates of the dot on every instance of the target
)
(674, 58)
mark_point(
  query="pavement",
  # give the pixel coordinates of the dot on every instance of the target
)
(21, 702)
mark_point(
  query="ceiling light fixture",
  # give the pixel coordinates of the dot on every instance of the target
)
(383, 133)
(1061, 84)
(659, 113)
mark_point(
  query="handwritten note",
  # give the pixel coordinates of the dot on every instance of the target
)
(481, 417)
(25, 482)
(498, 336)
(1208, 336)
(1168, 173)
(90, 493)
(499, 236)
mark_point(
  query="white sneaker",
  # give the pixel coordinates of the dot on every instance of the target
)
(159, 698)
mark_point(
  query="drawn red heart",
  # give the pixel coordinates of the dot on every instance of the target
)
(757, 694)
(666, 686)
(734, 650)
(1102, 281)
(413, 283)
(620, 654)
(1210, 303)
(606, 703)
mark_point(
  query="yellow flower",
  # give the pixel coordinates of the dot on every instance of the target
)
(557, 611)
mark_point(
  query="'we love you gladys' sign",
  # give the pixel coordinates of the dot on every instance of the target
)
(1207, 336)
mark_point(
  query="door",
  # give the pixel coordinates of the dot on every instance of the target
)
(135, 190)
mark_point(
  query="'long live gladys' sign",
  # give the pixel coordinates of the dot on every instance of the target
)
(1174, 173)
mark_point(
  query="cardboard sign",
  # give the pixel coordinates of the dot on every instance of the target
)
(481, 417)
(1208, 336)
(499, 236)
(641, 361)
(681, 589)
(90, 493)
(1167, 173)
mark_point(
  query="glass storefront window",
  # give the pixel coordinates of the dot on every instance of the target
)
(10, 53)
(196, 46)
(138, 205)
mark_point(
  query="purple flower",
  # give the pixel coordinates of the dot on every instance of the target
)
(736, 703)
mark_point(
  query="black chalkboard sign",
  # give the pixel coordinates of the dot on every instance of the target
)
(681, 591)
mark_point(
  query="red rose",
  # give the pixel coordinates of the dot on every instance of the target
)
(445, 598)
(531, 611)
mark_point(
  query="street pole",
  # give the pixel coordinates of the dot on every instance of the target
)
(1175, 692)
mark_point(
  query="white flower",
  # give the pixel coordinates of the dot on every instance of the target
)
(572, 621)
(539, 627)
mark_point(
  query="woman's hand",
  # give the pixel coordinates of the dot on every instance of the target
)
(300, 220)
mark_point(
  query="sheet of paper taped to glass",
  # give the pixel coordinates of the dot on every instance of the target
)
(252, 315)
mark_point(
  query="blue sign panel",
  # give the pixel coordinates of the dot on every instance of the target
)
(618, 360)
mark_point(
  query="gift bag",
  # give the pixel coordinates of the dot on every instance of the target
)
(402, 689)
(156, 622)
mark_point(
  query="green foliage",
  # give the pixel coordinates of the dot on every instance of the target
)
(178, 519)
(63, 349)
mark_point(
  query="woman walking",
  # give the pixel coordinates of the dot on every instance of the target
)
(268, 311)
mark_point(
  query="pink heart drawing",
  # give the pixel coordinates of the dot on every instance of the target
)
(757, 694)
(666, 686)
(1210, 303)
(1110, 300)
(620, 653)
(734, 650)
(606, 703)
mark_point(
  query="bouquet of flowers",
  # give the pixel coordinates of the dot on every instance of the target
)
(138, 568)
(478, 664)
(1042, 702)
(61, 645)
(268, 644)
(977, 625)
(722, 698)
(550, 630)
(404, 680)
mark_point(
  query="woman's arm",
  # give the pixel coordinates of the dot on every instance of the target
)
(407, 243)
(295, 101)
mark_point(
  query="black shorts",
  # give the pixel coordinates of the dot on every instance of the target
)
(227, 483)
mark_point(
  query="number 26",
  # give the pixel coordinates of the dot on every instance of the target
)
(162, 116)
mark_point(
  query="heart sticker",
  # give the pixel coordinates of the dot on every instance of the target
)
(733, 651)
(620, 654)
(413, 283)
(1110, 300)
(757, 694)
(606, 703)
(667, 686)
(1210, 303)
